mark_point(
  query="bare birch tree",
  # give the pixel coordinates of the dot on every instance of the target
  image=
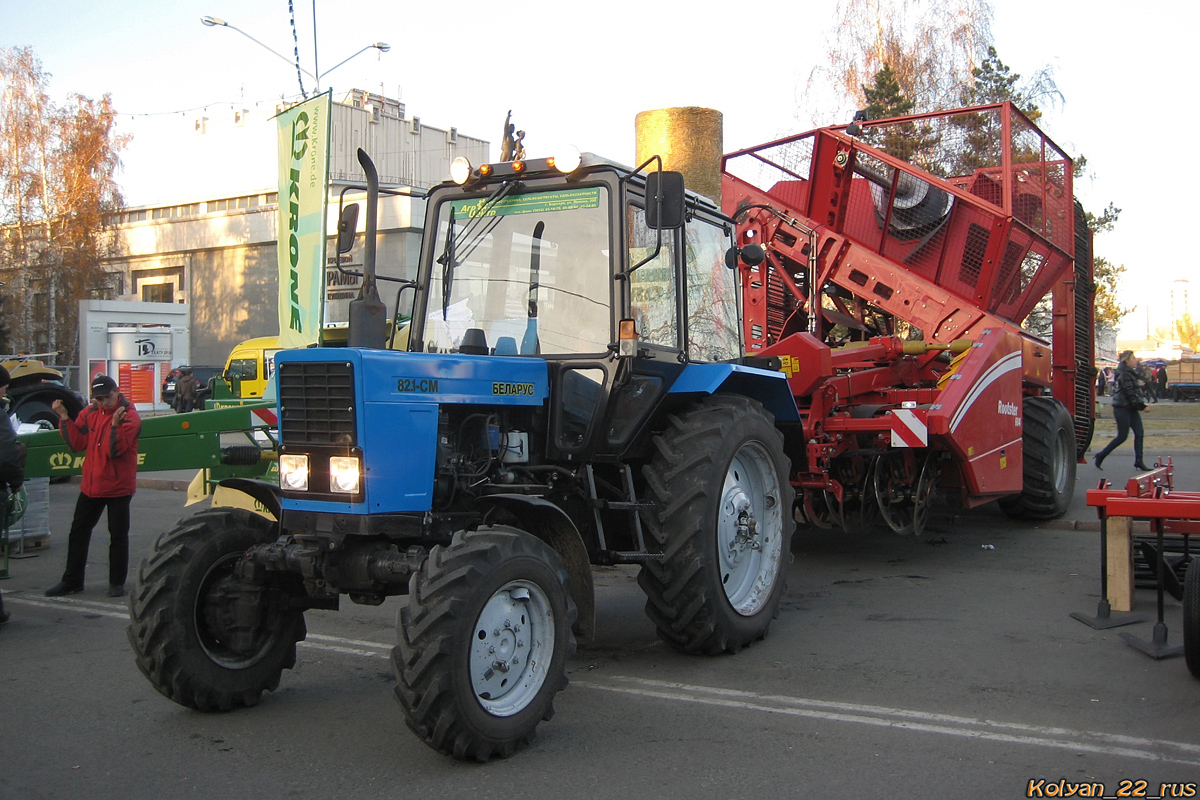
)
(58, 200)
(930, 46)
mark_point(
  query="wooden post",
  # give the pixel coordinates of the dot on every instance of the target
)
(1120, 563)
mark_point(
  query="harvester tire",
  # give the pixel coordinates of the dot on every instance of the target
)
(1048, 451)
(722, 520)
(180, 617)
(1191, 617)
(484, 637)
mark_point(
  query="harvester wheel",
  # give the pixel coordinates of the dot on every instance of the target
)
(926, 490)
(894, 492)
(484, 637)
(186, 634)
(1048, 445)
(719, 483)
(1191, 617)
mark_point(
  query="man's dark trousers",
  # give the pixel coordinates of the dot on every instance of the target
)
(87, 514)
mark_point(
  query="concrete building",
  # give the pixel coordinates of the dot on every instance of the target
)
(217, 254)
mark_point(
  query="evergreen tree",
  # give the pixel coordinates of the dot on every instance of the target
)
(886, 99)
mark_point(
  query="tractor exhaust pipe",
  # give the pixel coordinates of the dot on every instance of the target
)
(368, 314)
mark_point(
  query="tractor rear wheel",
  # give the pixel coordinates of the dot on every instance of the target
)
(1191, 617)
(1048, 453)
(187, 635)
(484, 637)
(722, 520)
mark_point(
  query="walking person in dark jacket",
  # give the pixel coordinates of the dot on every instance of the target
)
(1127, 406)
(186, 387)
(12, 459)
(108, 431)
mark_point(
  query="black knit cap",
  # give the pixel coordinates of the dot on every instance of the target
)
(103, 386)
(4, 376)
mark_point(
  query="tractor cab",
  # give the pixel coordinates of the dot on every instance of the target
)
(580, 262)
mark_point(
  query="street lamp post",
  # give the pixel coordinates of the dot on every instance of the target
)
(217, 22)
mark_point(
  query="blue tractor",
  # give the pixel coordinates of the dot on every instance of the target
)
(565, 388)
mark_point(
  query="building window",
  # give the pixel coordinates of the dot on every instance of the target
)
(158, 293)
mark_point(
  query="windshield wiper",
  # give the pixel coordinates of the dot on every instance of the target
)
(449, 256)
(447, 262)
(529, 344)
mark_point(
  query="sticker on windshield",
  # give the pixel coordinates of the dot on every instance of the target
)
(536, 203)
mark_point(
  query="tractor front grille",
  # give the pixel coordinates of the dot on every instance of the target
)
(316, 403)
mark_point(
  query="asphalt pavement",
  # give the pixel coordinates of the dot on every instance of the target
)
(941, 666)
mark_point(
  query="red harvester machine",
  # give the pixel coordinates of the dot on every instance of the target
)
(900, 261)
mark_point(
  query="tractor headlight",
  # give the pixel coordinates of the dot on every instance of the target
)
(293, 472)
(567, 161)
(345, 474)
(460, 170)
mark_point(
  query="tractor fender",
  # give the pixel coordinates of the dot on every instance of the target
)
(262, 491)
(551, 524)
(769, 387)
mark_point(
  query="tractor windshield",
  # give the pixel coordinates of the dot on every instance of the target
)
(532, 271)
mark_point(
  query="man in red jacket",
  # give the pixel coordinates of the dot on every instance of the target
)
(108, 431)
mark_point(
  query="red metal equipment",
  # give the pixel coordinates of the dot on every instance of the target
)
(900, 262)
(1151, 496)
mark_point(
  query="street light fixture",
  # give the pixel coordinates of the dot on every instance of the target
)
(217, 22)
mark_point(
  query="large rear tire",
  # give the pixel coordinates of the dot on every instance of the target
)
(183, 623)
(1048, 453)
(722, 519)
(484, 637)
(1191, 617)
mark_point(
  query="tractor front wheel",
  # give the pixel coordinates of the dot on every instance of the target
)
(188, 635)
(484, 637)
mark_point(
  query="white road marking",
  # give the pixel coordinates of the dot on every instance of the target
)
(351, 647)
(1098, 742)
(114, 610)
(881, 716)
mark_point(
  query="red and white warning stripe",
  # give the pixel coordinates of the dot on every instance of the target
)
(267, 415)
(909, 429)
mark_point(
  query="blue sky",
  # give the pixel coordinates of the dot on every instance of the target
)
(579, 74)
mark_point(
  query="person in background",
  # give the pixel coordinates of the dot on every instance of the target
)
(186, 387)
(12, 461)
(1162, 382)
(1127, 406)
(1146, 383)
(108, 431)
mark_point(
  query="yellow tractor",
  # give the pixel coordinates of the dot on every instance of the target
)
(33, 387)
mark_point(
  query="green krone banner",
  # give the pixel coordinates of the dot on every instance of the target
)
(303, 191)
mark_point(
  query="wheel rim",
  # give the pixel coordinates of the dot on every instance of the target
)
(895, 510)
(749, 529)
(926, 486)
(511, 648)
(216, 624)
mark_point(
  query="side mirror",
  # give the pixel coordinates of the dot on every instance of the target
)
(347, 227)
(752, 255)
(664, 200)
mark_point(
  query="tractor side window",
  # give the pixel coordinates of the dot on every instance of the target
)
(712, 301)
(580, 391)
(653, 290)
